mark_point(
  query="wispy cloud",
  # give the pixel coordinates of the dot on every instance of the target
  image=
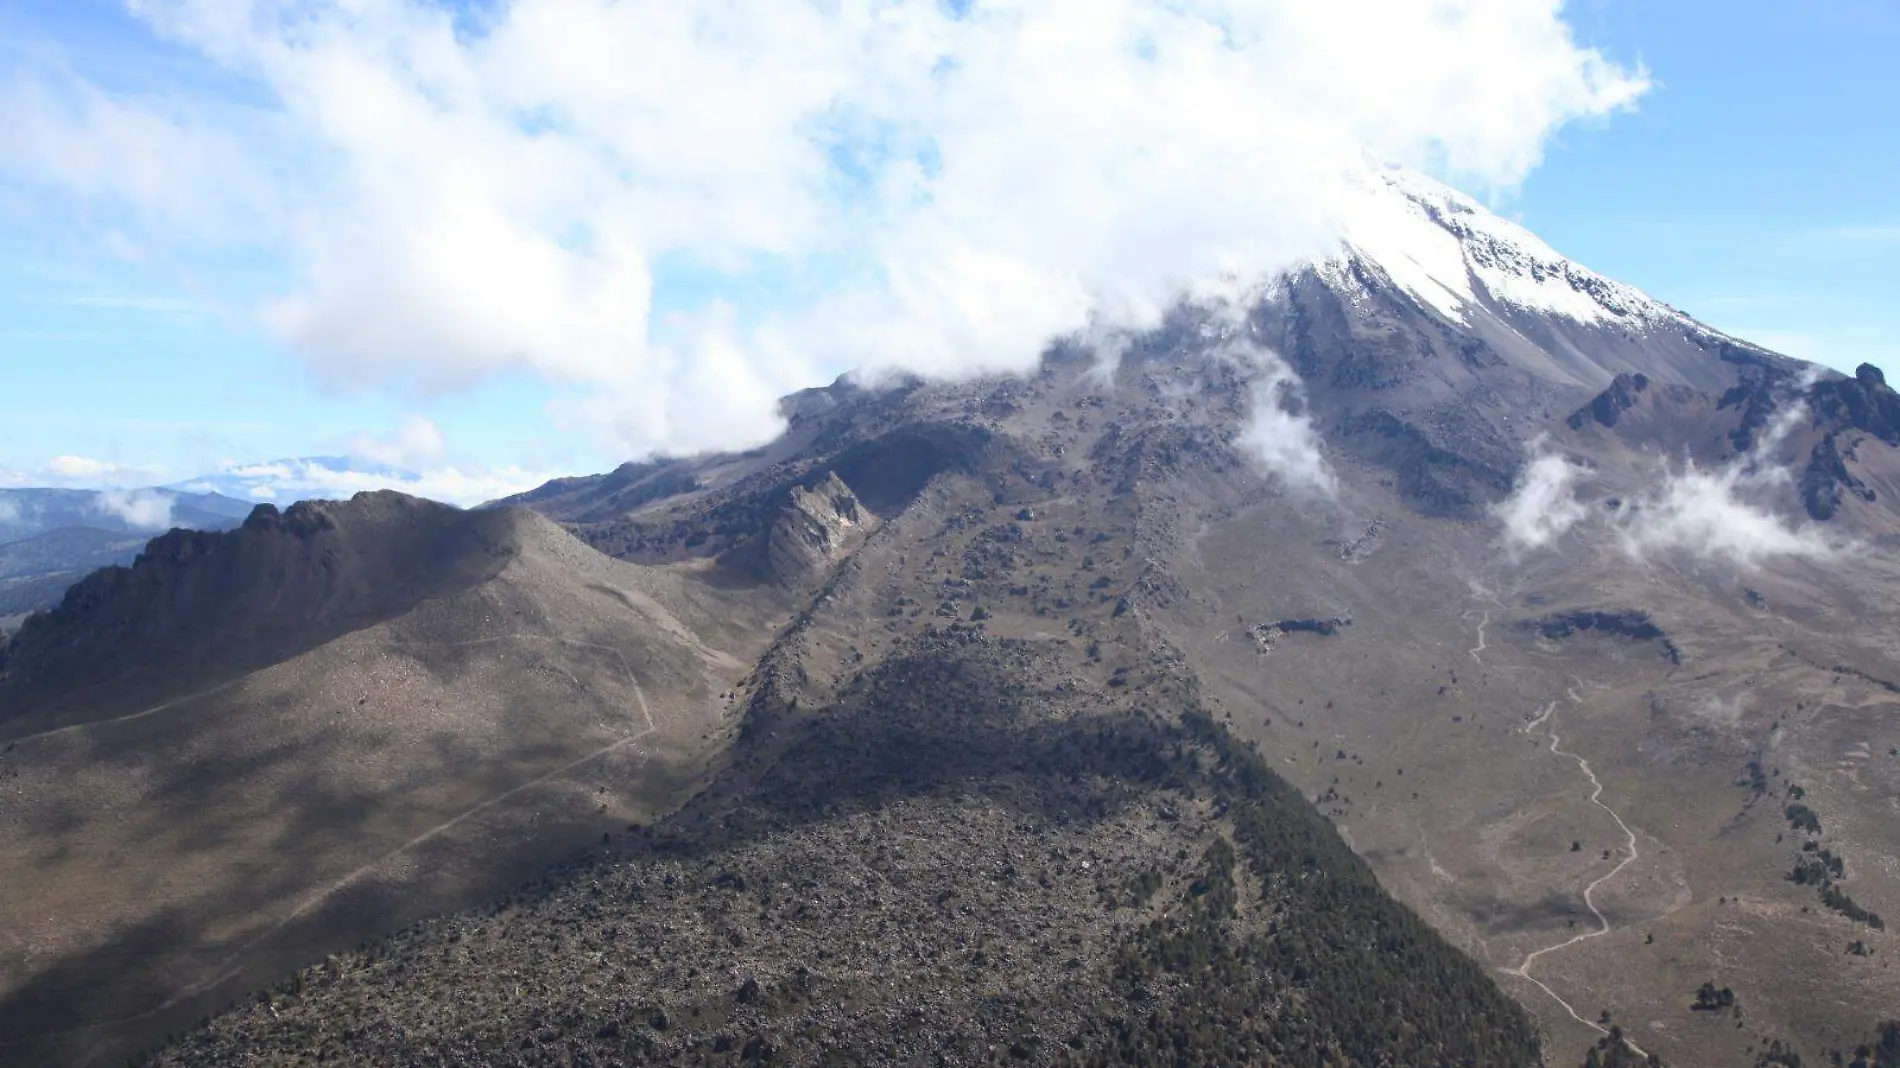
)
(465, 193)
(1543, 507)
(84, 470)
(1279, 433)
(1708, 514)
(1873, 233)
(1723, 514)
(282, 482)
(81, 472)
(416, 443)
(143, 509)
(159, 305)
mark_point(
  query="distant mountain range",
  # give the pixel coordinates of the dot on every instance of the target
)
(51, 538)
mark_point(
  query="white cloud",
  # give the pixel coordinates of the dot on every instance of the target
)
(416, 443)
(147, 510)
(286, 481)
(83, 471)
(1544, 506)
(1727, 513)
(1279, 433)
(1707, 514)
(155, 305)
(184, 166)
(76, 467)
(1724, 515)
(461, 193)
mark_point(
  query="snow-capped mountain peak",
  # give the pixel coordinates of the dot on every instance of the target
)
(1452, 254)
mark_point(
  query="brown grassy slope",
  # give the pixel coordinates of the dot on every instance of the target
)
(466, 697)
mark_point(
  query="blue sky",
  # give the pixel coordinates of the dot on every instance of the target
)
(1747, 189)
(1751, 186)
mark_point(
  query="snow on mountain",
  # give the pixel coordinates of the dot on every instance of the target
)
(1452, 255)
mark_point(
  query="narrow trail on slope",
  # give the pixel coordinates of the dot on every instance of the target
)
(152, 711)
(1523, 970)
(1480, 590)
(1484, 620)
(225, 970)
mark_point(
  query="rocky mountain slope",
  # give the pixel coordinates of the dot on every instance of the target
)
(1570, 615)
(1538, 587)
(254, 748)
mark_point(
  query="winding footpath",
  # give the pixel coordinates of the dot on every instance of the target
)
(1523, 970)
(152, 711)
(1484, 620)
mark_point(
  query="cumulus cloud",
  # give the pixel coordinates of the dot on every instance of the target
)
(1544, 506)
(144, 509)
(1279, 433)
(679, 209)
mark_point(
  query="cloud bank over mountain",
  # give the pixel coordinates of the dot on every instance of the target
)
(676, 212)
(282, 482)
(1726, 514)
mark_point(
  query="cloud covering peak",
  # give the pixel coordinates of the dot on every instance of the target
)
(677, 210)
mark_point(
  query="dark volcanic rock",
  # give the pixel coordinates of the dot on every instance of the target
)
(1864, 402)
(1067, 886)
(1267, 635)
(1826, 479)
(1609, 405)
(1759, 395)
(1325, 628)
(1627, 623)
(1435, 479)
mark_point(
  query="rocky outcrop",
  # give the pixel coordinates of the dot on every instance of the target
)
(1826, 481)
(1758, 397)
(1864, 402)
(1608, 406)
(820, 525)
(1436, 479)
(1267, 635)
(1625, 623)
